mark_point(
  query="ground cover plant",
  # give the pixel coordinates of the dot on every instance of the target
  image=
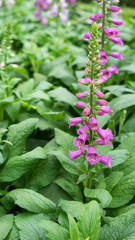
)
(58, 182)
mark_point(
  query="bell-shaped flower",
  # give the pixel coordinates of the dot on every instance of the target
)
(79, 142)
(106, 109)
(86, 111)
(74, 154)
(80, 95)
(82, 129)
(99, 94)
(103, 57)
(117, 21)
(87, 35)
(113, 69)
(93, 123)
(114, 9)
(105, 74)
(75, 121)
(102, 102)
(106, 160)
(80, 104)
(92, 157)
(105, 135)
(116, 55)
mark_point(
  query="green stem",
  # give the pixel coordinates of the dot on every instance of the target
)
(103, 34)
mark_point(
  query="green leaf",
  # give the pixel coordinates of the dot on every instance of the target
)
(72, 189)
(45, 172)
(53, 229)
(18, 165)
(121, 228)
(61, 94)
(14, 233)
(28, 199)
(73, 228)
(27, 88)
(112, 180)
(89, 222)
(124, 191)
(6, 223)
(128, 144)
(58, 116)
(27, 224)
(13, 109)
(73, 208)
(118, 157)
(22, 71)
(17, 135)
(64, 141)
(121, 102)
(39, 94)
(101, 194)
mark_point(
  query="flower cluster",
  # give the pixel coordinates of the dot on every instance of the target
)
(97, 72)
(52, 9)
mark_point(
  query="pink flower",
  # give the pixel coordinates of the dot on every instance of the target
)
(75, 121)
(74, 154)
(117, 40)
(87, 35)
(44, 21)
(105, 135)
(102, 102)
(81, 81)
(80, 104)
(63, 17)
(100, 113)
(87, 79)
(105, 74)
(92, 156)
(100, 25)
(102, 142)
(96, 16)
(86, 111)
(80, 95)
(99, 94)
(93, 124)
(116, 55)
(111, 32)
(117, 21)
(103, 59)
(106, 160)
(82, 129)
(114, 9)
(86, 123)
(113, 69)
(101, 80)
(37, 13)
(106, 109)
(80, 141)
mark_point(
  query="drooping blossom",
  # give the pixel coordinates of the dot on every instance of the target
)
(82, 129)
(106, 109)
(114, 9)
(99, 94)
(75, 121)
(106, 160)
(116, 55)
(92, 157)
(103, 57)
(117, 40)
(86, 111)
(105, 74)
(111, 32)
(80, 104)
(79, 142)
(87, 35)
(102, 102)
(81, 95)
(113, 69)
(74, 154)
(93, 123)
(117, 21)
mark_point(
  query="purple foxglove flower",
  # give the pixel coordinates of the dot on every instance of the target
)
(87, 79)
(82, 129)
(113, 69)
(101, 80)
(93, 124)
(117, 21)
(79, 142)
(80, 95)
(86, 111)
(106, 160)
(98, 15)
(37, 13)
(111, 32)
(92, 156)
(99, 94)
(75, 121)
(103, 59)
(117, 40)
(116, 55)
(114, 9)
(100, 113)
(81, 81)
(74, 154)
(102, 102)
(102, 142)
(63, 17)
(105, 135)
(44, 5)
(105, 74)
(106, 109)
(100, 25)
(92, 17)
(80, 104)
(44, 21)
(87, 35)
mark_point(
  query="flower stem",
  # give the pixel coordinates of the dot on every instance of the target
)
(103, 34)
(91, 98)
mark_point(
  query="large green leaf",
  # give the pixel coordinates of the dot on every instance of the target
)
(121, 228)
(17, 166)
(73, 208)
(28, 228)
(28, 199)
(54, 230)
(73, 189)
(124, 191)
(6, 223)
(112, 180)
(121, 102)
(61, 94)
(89, 222)
(101, 194)
(17, 135)
(13, 234)
(73, 228)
